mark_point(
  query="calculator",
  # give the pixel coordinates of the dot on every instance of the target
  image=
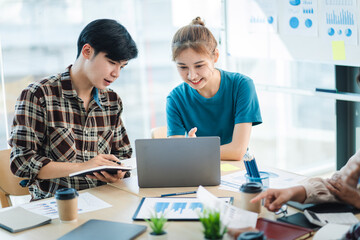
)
(321, 219)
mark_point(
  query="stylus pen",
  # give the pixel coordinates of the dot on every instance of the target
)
(176, 194)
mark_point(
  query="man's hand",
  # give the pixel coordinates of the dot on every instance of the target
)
(343, 191)
(106, 177)
(104, 160)
(101, 160)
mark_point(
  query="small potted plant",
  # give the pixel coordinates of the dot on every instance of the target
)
(157, 224)
(213, 229)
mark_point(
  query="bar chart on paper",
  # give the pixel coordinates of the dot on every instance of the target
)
(344, 17)
(340, 20)
(172, 208)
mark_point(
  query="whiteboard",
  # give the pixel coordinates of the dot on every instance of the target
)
(282, 42)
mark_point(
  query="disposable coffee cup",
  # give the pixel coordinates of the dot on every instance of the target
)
(252, 236)
(67, 204)
(247, 192)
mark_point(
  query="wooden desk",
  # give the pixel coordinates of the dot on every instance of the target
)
(125, 197)
(123, 208)
(118, 199)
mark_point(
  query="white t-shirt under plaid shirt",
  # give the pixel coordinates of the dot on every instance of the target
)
(51, 124)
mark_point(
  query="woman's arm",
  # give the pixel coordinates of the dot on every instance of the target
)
(238, 146)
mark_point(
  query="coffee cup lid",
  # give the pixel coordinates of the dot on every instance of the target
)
(252, 236)
(251, 187)
(66, 194)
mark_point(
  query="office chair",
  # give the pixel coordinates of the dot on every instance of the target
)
(159, 132)
(9, 183)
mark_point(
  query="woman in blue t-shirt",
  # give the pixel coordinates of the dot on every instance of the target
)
(210, 102)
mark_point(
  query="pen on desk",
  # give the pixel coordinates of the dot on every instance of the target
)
(176, 194)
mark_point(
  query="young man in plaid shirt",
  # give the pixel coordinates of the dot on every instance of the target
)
(70, 121)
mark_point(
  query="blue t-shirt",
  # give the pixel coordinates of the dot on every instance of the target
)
(235, 102)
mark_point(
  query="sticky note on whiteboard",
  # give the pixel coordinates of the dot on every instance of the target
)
(338, 50)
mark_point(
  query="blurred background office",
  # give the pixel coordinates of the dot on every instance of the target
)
(38, 38)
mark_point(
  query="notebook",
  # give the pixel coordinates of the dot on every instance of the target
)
(282, 231)
(104, 230)
(178, 162)
(18, 219)
(108, 169)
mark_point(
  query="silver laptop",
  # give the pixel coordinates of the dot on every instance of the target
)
(178, 162)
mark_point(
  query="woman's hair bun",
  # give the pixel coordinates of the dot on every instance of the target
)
(197, 21)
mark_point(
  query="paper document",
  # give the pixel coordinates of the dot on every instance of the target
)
(339, 21)
(278, 179)
(331, 232)
(174, 208)
(300, 17)
(131, 162)
(86, 203)
(230, 216)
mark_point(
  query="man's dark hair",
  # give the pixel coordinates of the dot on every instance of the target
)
(110, 37)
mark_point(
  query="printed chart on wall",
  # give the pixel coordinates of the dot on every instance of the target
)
(261, 16)
(300, 17)
(340, 20)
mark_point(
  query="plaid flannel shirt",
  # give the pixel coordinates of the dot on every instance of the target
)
(51, 124)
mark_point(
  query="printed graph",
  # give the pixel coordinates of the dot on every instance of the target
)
(172, 208)
(308, 11)
(343, 18)
(178, 207)
(340, 20)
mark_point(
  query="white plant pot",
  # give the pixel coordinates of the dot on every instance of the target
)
(158, 237)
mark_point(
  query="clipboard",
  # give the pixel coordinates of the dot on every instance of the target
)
(174, 208)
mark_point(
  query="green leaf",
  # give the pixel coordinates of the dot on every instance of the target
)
(157, 223)
(210, 220)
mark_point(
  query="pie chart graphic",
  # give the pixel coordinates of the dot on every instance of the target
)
(294, 22)
(308, 23)
(348, 32)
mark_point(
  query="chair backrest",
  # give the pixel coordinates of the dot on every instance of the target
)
(159, 132)
(9, 183)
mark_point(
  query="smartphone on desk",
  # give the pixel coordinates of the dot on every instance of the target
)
(321, 219)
